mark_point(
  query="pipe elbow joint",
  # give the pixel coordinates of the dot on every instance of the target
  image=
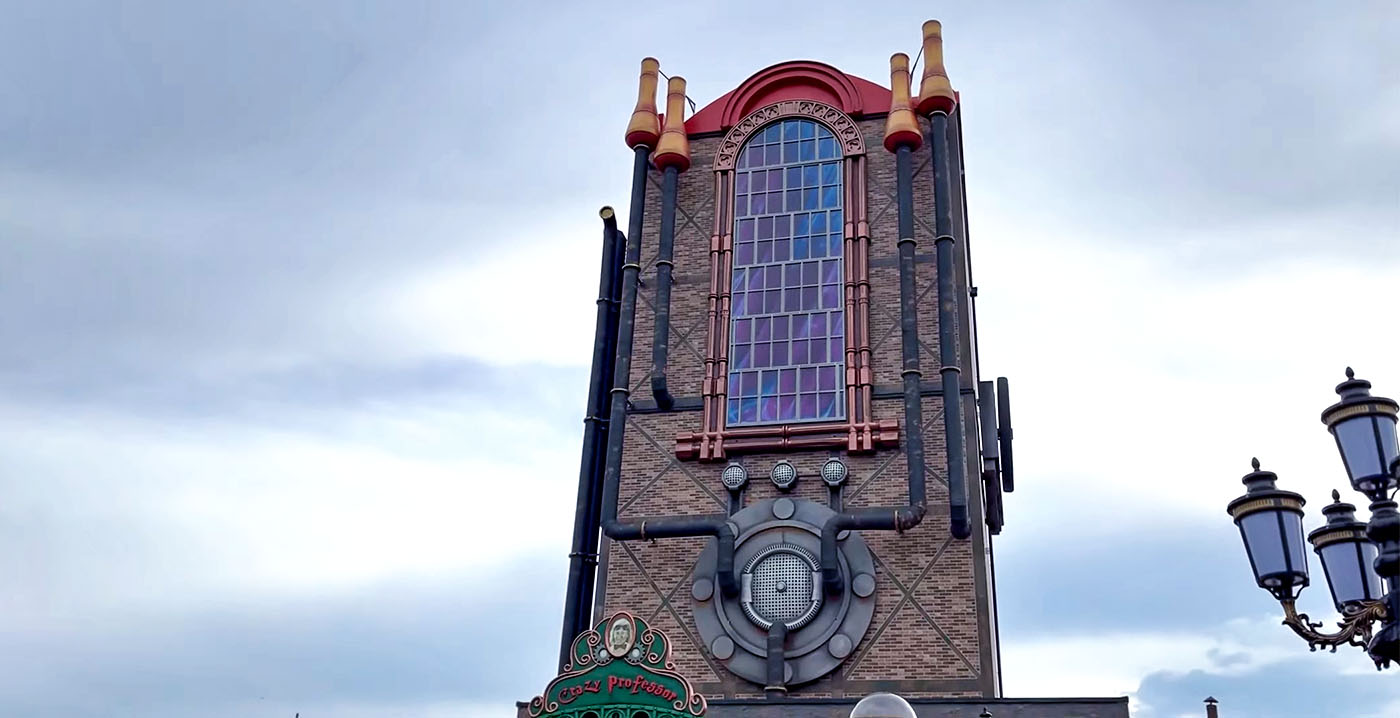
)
(959, 525)
(830, 567)
(724, 563)
(910, 516)
(659, 390)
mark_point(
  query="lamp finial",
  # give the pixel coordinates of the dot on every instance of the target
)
(1255, 463)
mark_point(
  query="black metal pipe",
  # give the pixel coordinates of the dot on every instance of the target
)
(959, 524)
(909, 329)
(595, 509)
(905, 517)
(661, 330)
(776, 663)
(716, 525)
(1004, 434)
(583, 557)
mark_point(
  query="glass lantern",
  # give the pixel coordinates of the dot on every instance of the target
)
(1348, 557)
(1364, 427)
(1271, 525)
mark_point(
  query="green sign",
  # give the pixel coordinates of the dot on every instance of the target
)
(620, 667)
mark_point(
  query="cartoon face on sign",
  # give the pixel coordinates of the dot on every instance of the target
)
(620, 635)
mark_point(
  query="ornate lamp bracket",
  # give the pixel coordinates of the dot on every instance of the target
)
(1356, 625)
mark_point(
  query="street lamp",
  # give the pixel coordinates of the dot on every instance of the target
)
(1359, 560)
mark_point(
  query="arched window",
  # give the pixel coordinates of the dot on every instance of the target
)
(787, 350)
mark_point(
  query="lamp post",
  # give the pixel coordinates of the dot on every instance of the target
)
(1359, 560)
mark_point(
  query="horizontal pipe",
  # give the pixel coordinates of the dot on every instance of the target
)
(878, 519)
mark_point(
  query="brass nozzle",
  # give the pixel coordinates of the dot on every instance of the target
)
(674, 148)
(935, 90)
(901, 126)
(645, 127)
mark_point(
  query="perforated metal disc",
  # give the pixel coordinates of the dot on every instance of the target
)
(780, 586)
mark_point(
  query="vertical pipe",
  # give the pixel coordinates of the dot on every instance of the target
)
(581, 558)
(717, 526)
(947, 335)
(627, 311)
(1004, 435)
(661, 331)
(909, 327)
(776, 661)
(595, 510)
(672, 157)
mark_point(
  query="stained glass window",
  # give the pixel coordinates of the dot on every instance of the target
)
(787, 352)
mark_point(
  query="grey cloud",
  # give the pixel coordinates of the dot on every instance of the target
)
(1146, 122)
(305, 393)
(1298, 688)
(1154, 577)
(455, 638)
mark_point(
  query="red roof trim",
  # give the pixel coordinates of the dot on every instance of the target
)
(795, 80)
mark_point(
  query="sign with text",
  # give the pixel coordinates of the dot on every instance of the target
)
(620, 663)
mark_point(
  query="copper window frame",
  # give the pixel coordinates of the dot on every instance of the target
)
(859, 431)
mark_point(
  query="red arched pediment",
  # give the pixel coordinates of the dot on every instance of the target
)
(794, 80)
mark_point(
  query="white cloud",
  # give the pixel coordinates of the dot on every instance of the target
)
(526, 298)
(1145, 388)
(1115, 663)
(133, 511)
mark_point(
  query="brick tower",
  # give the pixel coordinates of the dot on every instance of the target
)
(791, 464)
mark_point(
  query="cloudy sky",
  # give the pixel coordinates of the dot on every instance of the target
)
(270, 442)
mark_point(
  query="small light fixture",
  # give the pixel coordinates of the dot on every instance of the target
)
(834, 472)
(784, 475)
(734, 477)
(1347, 557)
(883, 705)
(1271, 524)
(1364, 426)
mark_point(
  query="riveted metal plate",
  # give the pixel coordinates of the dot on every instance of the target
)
(762, 536)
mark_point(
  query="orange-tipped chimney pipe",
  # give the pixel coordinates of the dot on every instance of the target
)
(935, 91)
(901, 126)
(645, 128)
(674, 148)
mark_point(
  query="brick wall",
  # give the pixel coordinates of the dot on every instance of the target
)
(930, 633)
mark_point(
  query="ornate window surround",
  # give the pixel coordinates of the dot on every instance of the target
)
(859, 431)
